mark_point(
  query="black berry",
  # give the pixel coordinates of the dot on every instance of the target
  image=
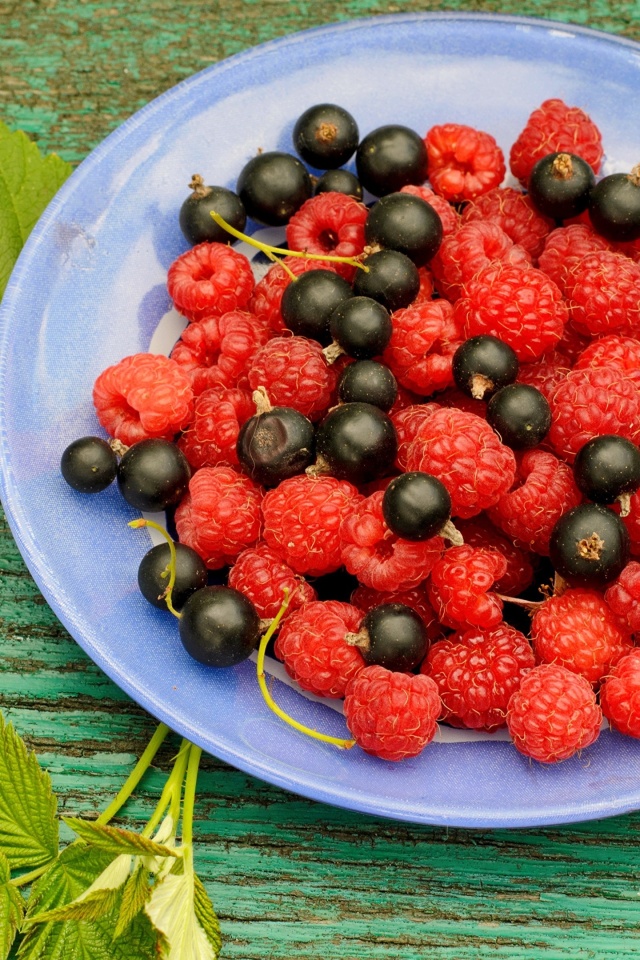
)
(589, 545)
(394, 636)
(607, 467)
(275, 445)
(367, 381)
(389, 158)
(391, 278)
(308, 302)
(89, 465)
(560, 184)
(326, 136)
(520, 415)
(339, 181)
(272, 186)
(195, 218)
(416, 506)
(362, 327)
(614, 206)
(483, 364)
(153, 575)
(356, 442)
(153, 475)
(219, 626)
(401, 221)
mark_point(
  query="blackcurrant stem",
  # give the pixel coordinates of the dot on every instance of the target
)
(271, 251)
(200, 189)
(332, 352)
(142, 522)
(343, 744)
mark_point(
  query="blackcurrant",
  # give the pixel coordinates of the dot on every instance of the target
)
(367, 381)
(391, 278)
(357, 442)
(401, 221)
(394, 636)
(560, 184)
(362, 327)
(308, 302)
(219, 626)
(153, 575)
(520, 415)
(389, 158)
(481, 365)
(589, 545)
(607, 467)
(326, 136)
(195, 218)
(275, 445)
(416, 506)
(339, 181)
(272, 186)
(153, 475)
(614, 206)
(89, 465)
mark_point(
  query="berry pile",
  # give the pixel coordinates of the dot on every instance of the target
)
(410, 451)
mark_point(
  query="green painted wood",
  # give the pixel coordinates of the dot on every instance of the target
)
(291, 879)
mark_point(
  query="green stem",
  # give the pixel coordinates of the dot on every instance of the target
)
(190, 795)
(172, 788)
(32, 875)
(136, 774)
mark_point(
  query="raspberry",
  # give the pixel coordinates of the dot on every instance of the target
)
(520, 305)
(543, 374)
(463, 162)
(377, 557)
(407, 423)
(448, 215)
(459, 587)
(295, 373)
(620, 695)
(145, 395)
(632, 523)
(262, 575)
(571, 345)
(591, 402)
(477, 672)
(220, 516)
(479, 532)
(211, 278)
(329, 223)
(578, 631)
(267, 296)
(365, 599)
(424, 339)
(474, 246)
(544, 490)
(404, 399)
(553, 714)
(302, 518)
(613, 351)
(464, 453)
(623, 596)
(313, 647)
(211, 438)
(517, 216)
(555, 128)
(392, 715)
(603, 293)
(425, 293)
(217, 351)
(566, 247)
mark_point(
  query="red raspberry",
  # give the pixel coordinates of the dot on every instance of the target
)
(217, 351)
(211, 278)
(295, 373)
(543, 374)
(544, 490)
(613, 351)
(463, 162)
(424, 339)
(365, 599)
(578, 631)
(620, 695)
(623, 596)
(517, 216)
(632, 523)
(555, 128)
(302, 518)
(262, 575)
(566, 247)
(520, 305)
(553, 714)
(477, 672)
(220, 516)
(474, 246)
(212, 436)
(603, 293)
(392, 715)
(145, 395)
(267, 296)
(591, 402)
(571, 345)
(426, 291)
(464, 453)
(404, 399)
(449, 215)
(329, 223)
(407, 423)
(460, 584)
(479, 532)
(379, 559)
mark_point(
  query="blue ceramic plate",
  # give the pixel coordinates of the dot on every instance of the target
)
(89, 289)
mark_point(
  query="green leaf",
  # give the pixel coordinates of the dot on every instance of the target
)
(11, 909)
(135, 895)
(206, 915)
(171, 910)
(28, 181)
(116, 841)
(28, 823)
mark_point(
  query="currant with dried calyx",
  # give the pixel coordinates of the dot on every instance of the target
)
(560, 184)
(589, 545)
(389, 158)
(607, 468)
(338, 181)
(195, 213)
(276, 443)
(389, 277)
(355, 442)
(416, 506)
(614, 206)
(391, 635)
(325, 136)
(483, 364)
(361, 327)
(520, 414)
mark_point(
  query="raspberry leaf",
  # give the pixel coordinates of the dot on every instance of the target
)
(11, 909)
(28, 824)
(116, 840)
(172, 910)
(28, 181)
(135, 895)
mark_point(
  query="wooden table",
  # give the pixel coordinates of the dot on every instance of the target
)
(290, 878)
